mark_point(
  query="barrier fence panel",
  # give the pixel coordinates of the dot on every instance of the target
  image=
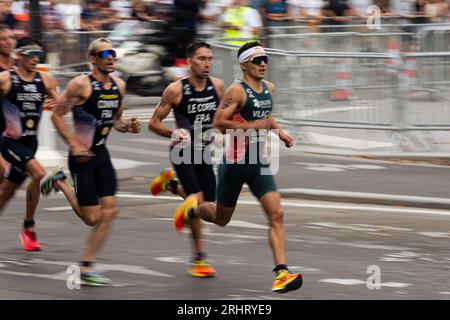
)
(325, 88)
(427, 97)
(342, 42)
(305, 27)
(391, 88)
(385, 91)
(69, 48)
(434, 39)
(335, 89)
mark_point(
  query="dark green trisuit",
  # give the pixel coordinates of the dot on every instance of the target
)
(233, 174)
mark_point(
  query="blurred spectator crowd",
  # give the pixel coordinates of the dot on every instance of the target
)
(237, 18)
(181, 21)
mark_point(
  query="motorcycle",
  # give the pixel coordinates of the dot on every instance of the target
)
(144, 56)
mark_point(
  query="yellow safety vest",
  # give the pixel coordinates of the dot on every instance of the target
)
(236, 17)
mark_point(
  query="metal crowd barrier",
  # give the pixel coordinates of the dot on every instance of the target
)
(356, 26)
(340, 41)
(426, 96)
(434, 39)
(69, 48)
(374, 91)
(379, 90)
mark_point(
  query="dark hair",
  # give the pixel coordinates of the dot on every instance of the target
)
(26, 42)
(193, 47)
(247, 46)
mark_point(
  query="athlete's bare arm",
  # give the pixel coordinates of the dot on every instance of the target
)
(219, 86)
(50, 84)
(171, 97)
(76, 93)
(287, 139)
(132, 125)
(5, 83)
(233, 100)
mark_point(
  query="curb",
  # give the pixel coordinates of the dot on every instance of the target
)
(440, 158)
(332, 195)
(367, 198)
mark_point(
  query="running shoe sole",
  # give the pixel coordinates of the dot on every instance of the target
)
(295, 284)
(179, 218)
(156, 186)
(49, 184)
(27, 247)
(86, 282)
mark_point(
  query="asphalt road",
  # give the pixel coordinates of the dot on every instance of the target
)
(332, 244)
(338, 247)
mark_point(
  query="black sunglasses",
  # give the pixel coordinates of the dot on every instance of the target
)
(259, 59)
(106, 53)
(33, 53)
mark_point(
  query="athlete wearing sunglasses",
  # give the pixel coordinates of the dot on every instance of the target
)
(23, 91)
(96, 102)
(259, 59)
(104, 54)
(247, 105)
(31, 51)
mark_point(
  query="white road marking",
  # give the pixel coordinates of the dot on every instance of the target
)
(297, 204)
(121, 164)
(381, 227)
(403, 256)
(333, 167)
(144, 115)
(160, 142)
(61, 276)
(245, 224)
(395, 284)
(354, 282)
(400, 292)
(345, 282)
(101, 267)
(173, 259)
(370, 229)
(334, 225)
(342, 142)
(305, 204)
(14, 262)
(435, 234)
(235, 223)
(232, 235)
(373, 246)
(304, 269)
(290, 203)
(366, 167)
(67, 208)
(401, 260)
(162, 154)
(379, 234)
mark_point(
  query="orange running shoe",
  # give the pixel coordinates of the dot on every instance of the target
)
(29, 241)
(287, 281)
(201, 269)
(181, 215)
(159, 184)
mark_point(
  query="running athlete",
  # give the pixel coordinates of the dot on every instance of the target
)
(7, 62)
(24, 90)
(247, 105)
(194, 101)
(96, 104)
